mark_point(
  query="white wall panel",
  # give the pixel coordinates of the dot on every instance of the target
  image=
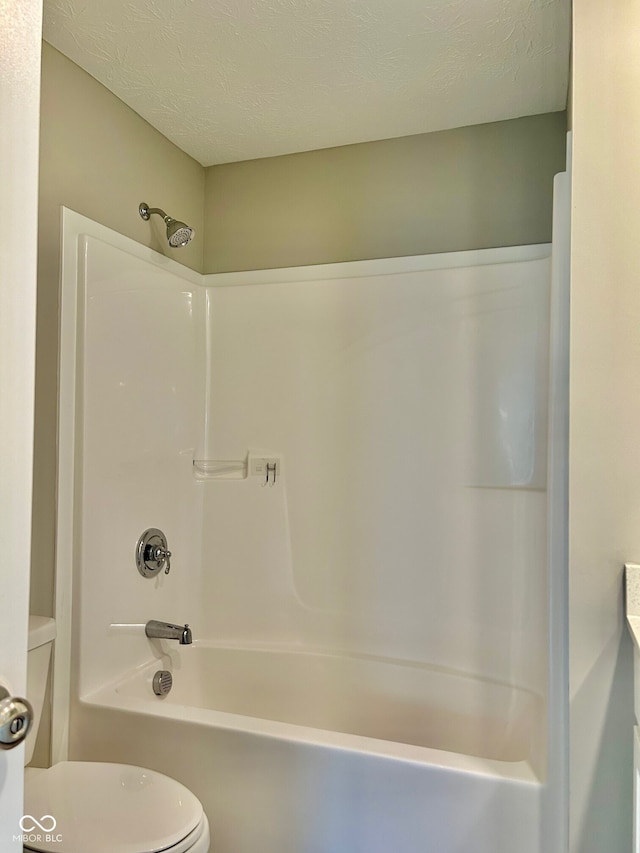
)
(141, 391)
(411, 414)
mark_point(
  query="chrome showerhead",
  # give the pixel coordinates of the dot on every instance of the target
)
(178, 233)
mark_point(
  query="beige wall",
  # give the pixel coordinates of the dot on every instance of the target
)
(604, 493)
(101, 159)
(474, 187)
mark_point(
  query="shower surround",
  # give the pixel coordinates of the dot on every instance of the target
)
(371, 659)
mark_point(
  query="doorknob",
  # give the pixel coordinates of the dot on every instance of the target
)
(16, 719)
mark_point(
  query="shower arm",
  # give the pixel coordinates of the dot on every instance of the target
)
(146, 211)
(178, 232)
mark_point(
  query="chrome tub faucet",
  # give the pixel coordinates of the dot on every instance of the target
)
(156, 630)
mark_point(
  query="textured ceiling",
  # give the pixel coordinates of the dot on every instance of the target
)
(234, 80)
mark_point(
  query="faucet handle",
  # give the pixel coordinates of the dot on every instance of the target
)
(158, 554)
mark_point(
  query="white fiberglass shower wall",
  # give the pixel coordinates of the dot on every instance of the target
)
(409, 410)
(371, 611)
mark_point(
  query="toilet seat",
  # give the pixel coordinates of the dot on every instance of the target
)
(112, 808)
(197, 841)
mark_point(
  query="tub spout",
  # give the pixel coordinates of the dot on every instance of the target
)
(166, 631)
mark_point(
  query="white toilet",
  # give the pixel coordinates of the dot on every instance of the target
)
(95, 807)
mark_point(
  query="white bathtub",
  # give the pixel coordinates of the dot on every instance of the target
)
(294, 752)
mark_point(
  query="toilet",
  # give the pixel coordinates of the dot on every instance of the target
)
(96, 807)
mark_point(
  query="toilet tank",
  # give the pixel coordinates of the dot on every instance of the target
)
(42, 632)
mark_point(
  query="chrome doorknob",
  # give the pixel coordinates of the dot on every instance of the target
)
(16, 719)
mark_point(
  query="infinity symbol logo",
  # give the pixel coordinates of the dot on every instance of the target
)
(47, 823)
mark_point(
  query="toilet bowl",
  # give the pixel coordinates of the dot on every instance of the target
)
(97, 807)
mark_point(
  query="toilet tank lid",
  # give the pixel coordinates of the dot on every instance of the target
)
(42, 629)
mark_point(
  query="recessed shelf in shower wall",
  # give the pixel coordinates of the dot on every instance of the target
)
(221, 469)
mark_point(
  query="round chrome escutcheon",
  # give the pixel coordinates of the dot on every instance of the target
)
(152, 554)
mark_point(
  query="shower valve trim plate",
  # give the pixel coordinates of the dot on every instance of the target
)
(152, 553)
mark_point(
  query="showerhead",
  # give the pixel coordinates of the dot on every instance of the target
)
(178, 233)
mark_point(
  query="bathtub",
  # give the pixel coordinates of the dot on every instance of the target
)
(316, 752)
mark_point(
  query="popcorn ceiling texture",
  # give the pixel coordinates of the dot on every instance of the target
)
(230, 80)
